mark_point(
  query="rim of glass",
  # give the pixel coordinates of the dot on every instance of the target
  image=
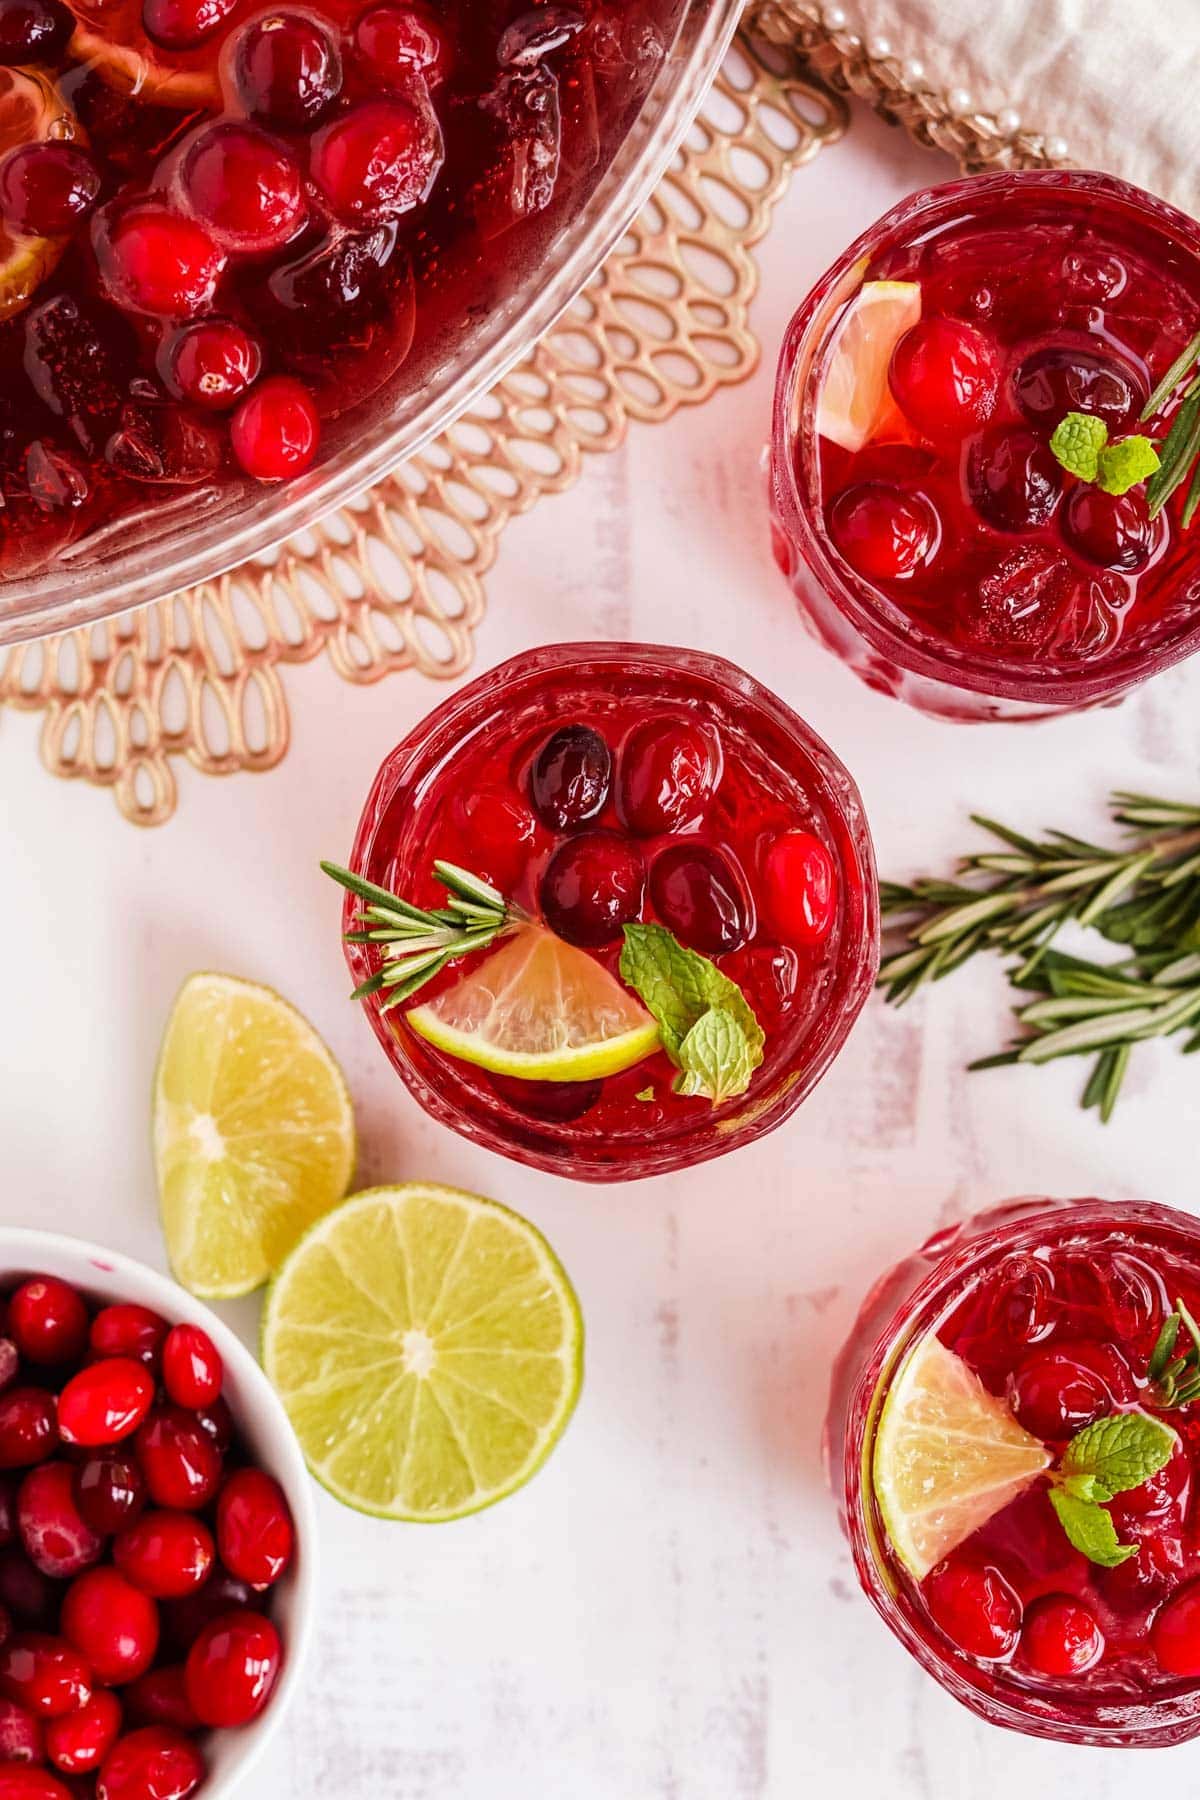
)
(884, 627)
(70, 595)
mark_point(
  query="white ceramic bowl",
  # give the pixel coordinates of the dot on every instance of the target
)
(106, 1276)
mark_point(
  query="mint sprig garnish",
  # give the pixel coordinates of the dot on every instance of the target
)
(1106, 1458)
(707, 1026)
(417, 942)
(1080, 443)
(1090, 1529)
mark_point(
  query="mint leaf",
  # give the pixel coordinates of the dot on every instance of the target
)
(680, 986)
(716, 1058)
(646, 1093)
(1090, 1529)
(1118, 1453)
(1077, 442)
(1121, 466)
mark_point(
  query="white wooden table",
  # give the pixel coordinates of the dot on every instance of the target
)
(667, 1612)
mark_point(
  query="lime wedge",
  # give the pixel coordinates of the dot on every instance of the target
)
(948, 1455)
(428, 1348)
(541, 1010)
(855, 404)
(253, 1133)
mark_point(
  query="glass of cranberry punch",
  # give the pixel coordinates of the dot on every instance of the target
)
(984, 446)
(614, 909)
(1013, 1436)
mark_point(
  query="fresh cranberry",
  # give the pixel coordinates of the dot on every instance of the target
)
(8, 1508)
(129, 1330)
(700, 895)
(1139, 1583)
(396, 43)
(884, 534)
(1014, 480)
(192, 1369)
(1175, 1633)
(945, 376)
(243, 185)
(669, 771)
(105, 1402)
(29, 1596)
(10, 1363)
(184, 1619)
(109, 1492)
(559, 1102)
(974, 1606)
(46, 189)
(154, 260)
(1060, 379)
(1060, 1636)
(1159, 1504)
(378, 159)
(166, 1554)
(112, 1623)
(153, 1763)
(78, 1744)
(19, 1782)
(47, 1320)
(499, 831)
(216, 1422)
(1055, 1393)
(570, 777)
(255, 1535)
(593, 884)
(159, 1697)
(210, 363)
(44, 1674)
(28, 1427)
(21, 1736)
(800, 889)
(57, 1538)
(1112, 530)
(33, 31)
(232, 1668)
(182, 24)
(286, 69)
(275, 431)
(180, 1462)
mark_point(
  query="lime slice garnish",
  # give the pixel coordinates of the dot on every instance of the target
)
(541, 1010)
(253, 1133)
(428, 1348)
(948, 1455)
(855, 404)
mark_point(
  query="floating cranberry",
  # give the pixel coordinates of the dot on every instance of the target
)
(105, 1402)
(570, 777)
(378, 159)
(17, 1782)
(1015, 483)
(33, 31)
(286, 69)
(498, 831)
(945, 376)
(47, 1320)
(44, 1674)
(159, 1697)
(183, 24)
(167, 1554)
(1055, 1393)
(1113, 530)
(154, 1763)
(701, 896)
(57, 1538)
(255, 1535)
(79, 1743)
(28, 1427)
(558, 1102)
(184, 1619)
(1060, 1636)
(211, 363)
(1159, 1504)
(111, 1623)
(216, 1422)
(1140, 1582)
(884, 534)
(1060, 379)
(192, 1370)
(30, 1596)
(243, 186)
(129, 1330)
(396, 43)
(46, 189)
(232, 1668)
(592, 886)
(1175, 1633)
(21, 1735)
(181, 1463)
(154, 260)
(109, 1492)
(800, 890)
(275, 431)
(669, 771)
(974, 1606)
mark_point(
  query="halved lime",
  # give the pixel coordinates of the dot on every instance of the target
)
(856, 404)
(428, 1348)
(541, 1010)
(253, 1133)
(948, 1455)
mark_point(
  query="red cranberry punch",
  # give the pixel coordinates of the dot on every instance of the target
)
(1014, 1441)
(613, 909)
(984, 451)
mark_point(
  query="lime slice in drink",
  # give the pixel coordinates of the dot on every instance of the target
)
(428, 1348)
(253, 1133)
(855, 404)
(947, 1456)
(541, 1010)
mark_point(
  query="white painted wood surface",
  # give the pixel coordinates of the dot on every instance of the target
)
(667, 1612)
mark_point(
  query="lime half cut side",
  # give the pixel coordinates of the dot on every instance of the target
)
(428, 1348)
(948, 1455)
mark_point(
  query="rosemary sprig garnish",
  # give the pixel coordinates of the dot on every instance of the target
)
(1145, 896)
(417, 943)
(1181, 446)
(1176, 1379)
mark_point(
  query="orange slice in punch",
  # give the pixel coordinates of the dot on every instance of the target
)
(109, 34)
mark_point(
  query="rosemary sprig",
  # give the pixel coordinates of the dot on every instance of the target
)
(417, 943)
(1180, 448)
(1176, 1379)
(1015, 899)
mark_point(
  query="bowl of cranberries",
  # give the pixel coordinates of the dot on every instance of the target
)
(156, 1534)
